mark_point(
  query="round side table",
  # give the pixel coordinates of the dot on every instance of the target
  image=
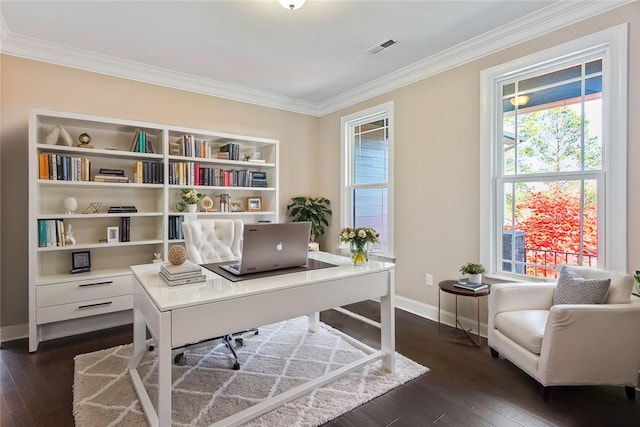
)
(447, 286)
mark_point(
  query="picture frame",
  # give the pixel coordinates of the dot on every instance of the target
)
(175, 148)
(236, 207)
(113, 234)
(254, 204)
(80, 261)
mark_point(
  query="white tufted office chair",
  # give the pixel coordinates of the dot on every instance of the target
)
(209, 241)
(213, 240)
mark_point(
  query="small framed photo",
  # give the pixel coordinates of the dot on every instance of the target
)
(236, 207)
(113, 234)
(80, 261)
(254, 204)
(175, 148)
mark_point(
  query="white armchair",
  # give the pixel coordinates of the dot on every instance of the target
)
(568, 344)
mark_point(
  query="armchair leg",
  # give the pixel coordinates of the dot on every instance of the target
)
(546, 393)
(494, 353)
(630, 392)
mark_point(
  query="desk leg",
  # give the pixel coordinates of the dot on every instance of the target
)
(388, 326)
(314, 322)
(139, 337)
(164, 371)
(439, 292)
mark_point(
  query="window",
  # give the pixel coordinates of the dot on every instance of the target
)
(367, 196)
(554, 159)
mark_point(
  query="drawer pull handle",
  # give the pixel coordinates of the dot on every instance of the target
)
(95, 305)
(95, 284)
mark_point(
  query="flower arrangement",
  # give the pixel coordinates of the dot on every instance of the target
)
(636, 278)
(358, 239)
(359, 236)
(190, 196)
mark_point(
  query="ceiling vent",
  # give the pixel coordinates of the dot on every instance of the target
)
(380, 47)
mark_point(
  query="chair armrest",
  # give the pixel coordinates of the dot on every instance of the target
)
(601, 337)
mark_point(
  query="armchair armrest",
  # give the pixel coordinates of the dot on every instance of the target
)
(601, 337)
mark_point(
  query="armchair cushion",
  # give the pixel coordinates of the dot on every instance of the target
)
(621, 283)
(525, 327)
(574, 289)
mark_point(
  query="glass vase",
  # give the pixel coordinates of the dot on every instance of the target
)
(359, 253)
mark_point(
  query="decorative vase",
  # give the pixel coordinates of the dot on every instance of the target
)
(475, 278)
(192, 207)
(359, 253)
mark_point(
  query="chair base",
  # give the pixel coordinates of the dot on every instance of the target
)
(231, 339)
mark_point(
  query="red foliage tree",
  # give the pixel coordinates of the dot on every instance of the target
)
(551, 223)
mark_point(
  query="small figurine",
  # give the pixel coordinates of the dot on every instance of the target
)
(84, 139)
(68, 236)
(157, 257)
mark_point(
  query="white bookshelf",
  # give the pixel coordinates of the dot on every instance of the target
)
(61, 303)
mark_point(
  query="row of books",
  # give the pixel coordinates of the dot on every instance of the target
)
(147, 172)
(175, 227)
(182, 274)
(51, 232)
(63, 168)
(140, 143)
(125, 229)
(190, 146)
(193, 173)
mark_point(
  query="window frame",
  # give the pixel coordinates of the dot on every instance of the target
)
(347, 123)
(612, 45)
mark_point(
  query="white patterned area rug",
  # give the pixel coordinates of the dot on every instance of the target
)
(206, 389)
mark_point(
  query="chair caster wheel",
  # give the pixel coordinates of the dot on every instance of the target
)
(236, 366)
(151, 348)
(179, 359)
(239, 342)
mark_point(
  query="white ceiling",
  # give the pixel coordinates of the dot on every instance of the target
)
(311, 60)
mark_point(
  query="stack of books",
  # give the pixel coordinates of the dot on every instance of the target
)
(182, 274)
(110, 175)
(470, 286)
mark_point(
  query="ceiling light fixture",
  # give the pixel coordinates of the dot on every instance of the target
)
(519, 100)
(291, 4)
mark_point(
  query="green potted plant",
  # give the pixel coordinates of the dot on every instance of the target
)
(312, 209)
(474, 271)
(190, 198)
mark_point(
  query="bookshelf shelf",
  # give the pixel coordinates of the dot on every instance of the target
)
(145, 154)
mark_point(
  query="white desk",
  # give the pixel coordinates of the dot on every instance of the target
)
(180, 315)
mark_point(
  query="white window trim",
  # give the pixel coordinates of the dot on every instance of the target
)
(347, 163)
(613, 42)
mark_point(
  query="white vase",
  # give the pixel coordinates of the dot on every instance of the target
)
(192, 207)
(475, 278)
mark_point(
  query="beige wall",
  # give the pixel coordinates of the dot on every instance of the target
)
(26, 84)
(436, 162)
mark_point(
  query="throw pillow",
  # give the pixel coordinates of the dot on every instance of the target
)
(573, 289)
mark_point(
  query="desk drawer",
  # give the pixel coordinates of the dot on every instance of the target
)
(76, 310)
(82, 290)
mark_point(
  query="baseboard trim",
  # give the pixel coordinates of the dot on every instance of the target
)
(430, 312)
(14, 332)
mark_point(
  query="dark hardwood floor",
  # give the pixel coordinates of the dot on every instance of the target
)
(464, 387)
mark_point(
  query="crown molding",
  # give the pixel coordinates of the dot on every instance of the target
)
(45, 51)
(551, 18)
